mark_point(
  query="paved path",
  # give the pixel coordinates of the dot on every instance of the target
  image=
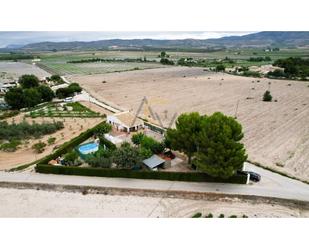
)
(271, 185)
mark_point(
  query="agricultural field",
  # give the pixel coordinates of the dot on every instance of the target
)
(25, 153)
(56, 62)
(276, 133)
(13, 70)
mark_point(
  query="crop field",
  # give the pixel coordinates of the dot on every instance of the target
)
(56, 62)
(97, 68)
(276, 133)
(13, 70)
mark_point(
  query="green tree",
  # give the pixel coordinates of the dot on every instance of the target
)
(56, 78)
(137, 138)
(127, 156)
(267, 96)
(28, 81)
(103, 129)
(183, 138)
(220, 154)
(15, 98)
(32, 97)
(46, 92)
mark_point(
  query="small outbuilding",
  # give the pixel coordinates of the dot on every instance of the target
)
(154, 162)
(125, 121)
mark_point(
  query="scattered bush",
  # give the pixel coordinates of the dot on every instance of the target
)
(51, 140)
(39, 147)
(210, 215)
(57, 79)
(221, 216)
(220, 68)
(197, 215)
(10, 146)
(25, 130)
(233, 216)
(267, 96)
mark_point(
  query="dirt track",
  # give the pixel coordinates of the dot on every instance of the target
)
(276, 133)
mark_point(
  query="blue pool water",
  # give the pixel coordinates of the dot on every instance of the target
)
(88, 148)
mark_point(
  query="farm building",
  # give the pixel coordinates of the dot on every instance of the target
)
(125, 121)
(5, 86)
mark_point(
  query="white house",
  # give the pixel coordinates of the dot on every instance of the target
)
(125, 121)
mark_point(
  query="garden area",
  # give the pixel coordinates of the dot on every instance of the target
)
(92, 154)
(75, 109)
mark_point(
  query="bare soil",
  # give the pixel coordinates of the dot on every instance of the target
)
(72, 128)
(19, 203)
(276, 133)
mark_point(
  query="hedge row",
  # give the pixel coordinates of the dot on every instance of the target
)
(141, 174)
(68, 146)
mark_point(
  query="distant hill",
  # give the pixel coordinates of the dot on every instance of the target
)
(260, 39)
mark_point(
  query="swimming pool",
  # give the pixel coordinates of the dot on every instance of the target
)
(88, 148)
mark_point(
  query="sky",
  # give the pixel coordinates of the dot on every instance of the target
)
(26, 37)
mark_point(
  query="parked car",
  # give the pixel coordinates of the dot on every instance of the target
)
(255, 177)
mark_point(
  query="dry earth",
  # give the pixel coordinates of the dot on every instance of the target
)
(276, 133)
(19, 203)
(72, 128)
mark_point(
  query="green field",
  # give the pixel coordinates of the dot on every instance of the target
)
(56, 62)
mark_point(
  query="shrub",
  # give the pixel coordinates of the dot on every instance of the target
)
(39, 147)
(129, 173)
(151, 144)
(251, 74)
(102, 129)
(99, 162)
(127, 156)
(220, 68)
(210, 215)
(137, 138)
(71, 158)
(56, 79)
(197, 215)
(221, 216)
(267, 96)
(51, 140)
(233, 216)
(145, 153)
(25, 130)
(11, 146)
(69, 91)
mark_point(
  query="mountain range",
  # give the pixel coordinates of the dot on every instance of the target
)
(260, 39)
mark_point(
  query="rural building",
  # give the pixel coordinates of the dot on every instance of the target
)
(5, 86)
(125, 121)
(154, 162)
